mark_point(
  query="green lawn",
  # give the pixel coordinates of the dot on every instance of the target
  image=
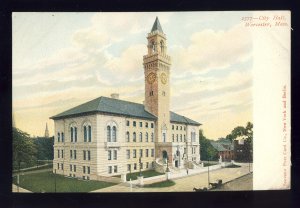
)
(160, 184)
(146, 174)
(45, 182)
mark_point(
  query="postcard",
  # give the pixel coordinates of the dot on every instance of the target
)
(151, 101)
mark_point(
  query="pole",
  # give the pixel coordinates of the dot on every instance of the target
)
(55, 180)
(18, 181)
(208, 173)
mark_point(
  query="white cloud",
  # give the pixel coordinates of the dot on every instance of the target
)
(209, 49)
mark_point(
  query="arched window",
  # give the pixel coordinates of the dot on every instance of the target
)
(164, 137)
(152, 137)
(141, 136)
(71, 134)
(75, 131)
(153, 46)
(90, 133)
(114, 134)
(127, 137)
(134, 137)
(146, 136)
(84, 133)
(162, 46)
(58, 137)
(108, 134)
(62, 137)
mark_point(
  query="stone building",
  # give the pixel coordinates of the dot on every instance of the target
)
(109, 136)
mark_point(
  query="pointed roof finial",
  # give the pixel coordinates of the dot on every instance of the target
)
(46, 131)
(156, 26)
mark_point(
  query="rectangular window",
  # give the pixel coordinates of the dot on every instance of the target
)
(141, 166)
(128, 167)
(180, 137)
(172, 127)
(89, 154)
(83, 168)
(134, 153)
(152, 164)
(127, 123)
(147, 165)
(146, 124)
(75, 154)
(134, 123)
(152, 125)
(88, 169)
(127, 137)
(152, 152)
(115, 155)
(176, 127)
(141, 153)
(109, 154)
(58, 137)
(70, 167)
(164, 137)
(147, 152)
(128, 154)
(58, 154)
(109, 169)
(172, 137)
(62, 153)
(180, 127)
(184, 151)
(58, 166)
(134, 166)
(84, 156)
(184, 138)
(74, 168)
(115, 169)
(71, 154)
(141, 124)
(62, 137)
(152, 137)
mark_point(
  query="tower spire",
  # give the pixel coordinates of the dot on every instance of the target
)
(46, 131)
(157, 26)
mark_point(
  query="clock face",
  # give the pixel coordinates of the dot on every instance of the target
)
(151, 77)
(163, 78)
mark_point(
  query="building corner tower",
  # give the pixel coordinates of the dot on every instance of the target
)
(157, 87)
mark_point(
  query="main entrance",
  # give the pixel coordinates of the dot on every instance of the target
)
(165, 156)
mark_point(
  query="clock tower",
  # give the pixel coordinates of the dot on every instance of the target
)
(157, 86)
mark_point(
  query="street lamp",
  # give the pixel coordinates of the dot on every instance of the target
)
(55, 180)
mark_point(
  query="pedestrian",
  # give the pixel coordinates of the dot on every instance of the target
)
(187, 171)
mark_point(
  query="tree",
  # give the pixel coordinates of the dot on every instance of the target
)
(24, 150)
(207, 151)
(44, 148)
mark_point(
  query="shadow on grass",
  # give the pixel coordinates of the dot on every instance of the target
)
(161, 184)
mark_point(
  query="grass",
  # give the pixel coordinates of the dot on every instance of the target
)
(146, 174)
(45, 182)
(161, 184)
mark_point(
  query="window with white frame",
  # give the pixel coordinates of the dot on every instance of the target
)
(141, 137)
(128, 154)
(115, 155)
(147, 137)
(109, 154)
(134, 137)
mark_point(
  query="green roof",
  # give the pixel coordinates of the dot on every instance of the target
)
(113, 106)
(156, 26)
(176, 118)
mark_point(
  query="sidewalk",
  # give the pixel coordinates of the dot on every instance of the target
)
(21, 190)
(187, 183)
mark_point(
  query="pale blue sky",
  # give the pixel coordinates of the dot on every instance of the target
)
(63, 59)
